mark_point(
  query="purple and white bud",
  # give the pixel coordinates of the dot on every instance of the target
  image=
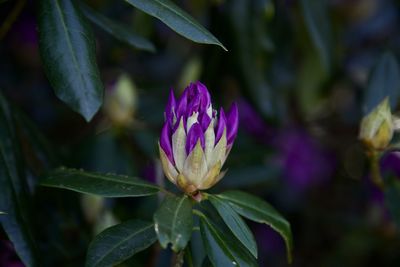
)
(195, 140)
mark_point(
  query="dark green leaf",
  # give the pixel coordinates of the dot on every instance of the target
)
(174, 222)
(316, 17)
(384, 81)
(106, 185)
(223, 249)
(67, 47)
(196, 244)
(13, 190)
(119, 31)
(235, 223)
(260, 174)
(258, 210)
(120, 242)
(176, 19)
(206, 263)
(392, 198)
(37, 142)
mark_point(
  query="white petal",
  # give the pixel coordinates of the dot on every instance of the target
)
(195, 167)
(191, 120)
(209, 111)
(211, 177)
(219, 151)
(209, 137)
(168, 168)
(178, 146)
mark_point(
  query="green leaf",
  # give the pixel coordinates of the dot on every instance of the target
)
(119, 31)
(13, 190)
(392, 197)
(317, 21)
(36, 143)
(235, 223)
(223, 249)
(256, 209)
(177, 19)
(120, 242)
(106, 185)
(384, 80)
(67, 47)
(174, 222)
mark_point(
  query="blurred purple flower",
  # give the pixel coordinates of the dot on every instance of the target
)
(269, 242)
(390, 163)
(8, 257)
(303, 161)
(253, 123)
(149, 173)
(195, 142)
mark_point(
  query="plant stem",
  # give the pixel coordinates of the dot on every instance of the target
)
(179, 259)
(376, 176)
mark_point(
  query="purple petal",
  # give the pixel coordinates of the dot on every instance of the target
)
(165, 142)
(205, 96)
(195, 133)
(233, 123)
(182, 105)
(253, 123)
(221, 125)
(170, 109)
(204, 121)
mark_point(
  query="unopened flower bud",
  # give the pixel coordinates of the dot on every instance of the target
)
(120, 102)
(376, 129)
(195, 141)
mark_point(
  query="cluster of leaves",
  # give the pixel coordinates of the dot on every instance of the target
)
(226, 237)
(67, 45)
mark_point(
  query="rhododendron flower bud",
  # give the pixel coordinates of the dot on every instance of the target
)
(376, 129)
(195, 139)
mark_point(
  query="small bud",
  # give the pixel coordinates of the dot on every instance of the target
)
(195, 141)
(120, 101)
(376, 129)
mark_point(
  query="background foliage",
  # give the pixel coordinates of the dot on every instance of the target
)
(303, 73)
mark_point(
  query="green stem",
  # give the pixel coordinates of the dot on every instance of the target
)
(376, 176)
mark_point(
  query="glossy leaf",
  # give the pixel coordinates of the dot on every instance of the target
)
(235, 224)
(106, 185)
(67, 48)
(223, 249)
(119, 31)
(177, 19)
(13, 190)
(120, 242)
(384, 81)
(256, 209)
(174, 222)
(392, 198)
(317, 21)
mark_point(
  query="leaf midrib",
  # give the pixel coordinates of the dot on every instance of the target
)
(237, 202)
(199, 27)
(119, 243)
(180, 203)
(69, 44)
(95, 176)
